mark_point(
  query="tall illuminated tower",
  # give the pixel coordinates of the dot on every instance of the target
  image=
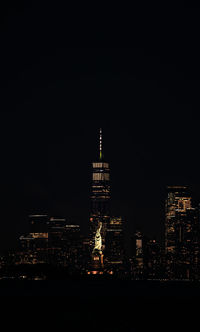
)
(178, 201)
(177, 211)
(100, 204)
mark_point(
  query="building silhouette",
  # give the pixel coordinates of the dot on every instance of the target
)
(34, 244)
(54, 242)
(99, 207)
(178, 200)
(114, 251)
(186, 260)
(138, 248)
(181, 234)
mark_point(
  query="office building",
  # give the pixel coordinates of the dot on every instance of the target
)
(186, 260)
(138, 250)
(34, 244)
(72, 246)
(153, 260)
(178, 200)
(56, 228)
(114, 251)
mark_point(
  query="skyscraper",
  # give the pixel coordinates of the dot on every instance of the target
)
(138, 247)
(56, 228)
(100, 205)
(177, 205)
(34, 244)
(185, 241)
(115, 242)
(178, 200)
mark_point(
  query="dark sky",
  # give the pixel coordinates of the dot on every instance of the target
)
(136, 78)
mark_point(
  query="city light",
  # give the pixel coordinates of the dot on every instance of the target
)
(56, 242)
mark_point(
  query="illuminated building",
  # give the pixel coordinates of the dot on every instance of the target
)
(59, 245)
(34, 244)
(152, 260)
(146, 257)
(114, 251)
(195, 272)
(64, 245)
(85, 253)
(178, 200)
(138, 248)
(187, 244)
(72, 246)
(100, 206)
(181, 234)
(56, 228)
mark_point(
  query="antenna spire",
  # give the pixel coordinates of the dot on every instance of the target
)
(100, 145)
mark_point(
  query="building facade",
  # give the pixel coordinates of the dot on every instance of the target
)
(181, 235)
(178, 200)
(186, 261)
(115, 252)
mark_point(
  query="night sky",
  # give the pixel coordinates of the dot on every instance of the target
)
(138, 80)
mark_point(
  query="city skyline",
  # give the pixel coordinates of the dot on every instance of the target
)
(55, 246)
(134, 223)
(99, 166)
(136, 226)
(54, 99)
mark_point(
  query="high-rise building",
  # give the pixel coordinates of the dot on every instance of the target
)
(138, 242)
(178, 200)
(34, 247)
(177, 228)
(53, 241)
(115, 243)
(64, 245)
(56, 228)
(34, 244)
(74, 256)
(187, 244)
(146, 257)
(100, 205)
(152, 260)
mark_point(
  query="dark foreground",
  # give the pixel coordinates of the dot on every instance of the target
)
(89, 289)
(100, 305)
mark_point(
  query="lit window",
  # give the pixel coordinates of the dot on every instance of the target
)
(100, 177)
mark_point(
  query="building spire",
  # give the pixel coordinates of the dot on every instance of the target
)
(100, 145)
